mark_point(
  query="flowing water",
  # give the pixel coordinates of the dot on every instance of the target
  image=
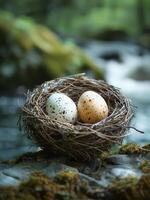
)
(126, 66)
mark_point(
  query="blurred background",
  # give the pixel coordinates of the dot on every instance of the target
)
(42, 40)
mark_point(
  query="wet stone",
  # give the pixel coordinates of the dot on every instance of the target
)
(8, 180)
(4, 166)
(95, 173)
(15, 174)
(22, 171)
(123, 173)
(119, 159)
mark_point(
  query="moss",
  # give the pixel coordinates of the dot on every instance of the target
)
(41, 187)
(130, 188)
(62, 196)
(104, 155)
(123, 183)
(65, 177)
(69, 186)
(146, 148)
(145, 166)
(130, 149)
(12, 193)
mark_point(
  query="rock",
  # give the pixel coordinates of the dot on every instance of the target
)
(37, 171)
(8, 180)
(111, 56)
(129, 188)
(119, 159)
(17, 173)
(23, 170)
(122, 173)
(142, 73)
(134, 149)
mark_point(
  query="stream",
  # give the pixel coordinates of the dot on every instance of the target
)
(126, 66)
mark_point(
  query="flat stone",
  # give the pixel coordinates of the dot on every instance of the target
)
(117, 166)
(22, 171)
(15, 174)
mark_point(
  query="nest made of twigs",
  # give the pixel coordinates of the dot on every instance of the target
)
(79, 140)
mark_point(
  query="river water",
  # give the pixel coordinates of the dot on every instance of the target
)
(122, 64)
(127, 66)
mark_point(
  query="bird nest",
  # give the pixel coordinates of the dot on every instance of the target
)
(81, 140)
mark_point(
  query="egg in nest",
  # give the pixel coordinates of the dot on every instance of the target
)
(92, 107)
(60, 107)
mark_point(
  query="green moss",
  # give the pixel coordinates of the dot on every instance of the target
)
(12, 193)
(67, 177)
(130, 149)
(123, 183)
(130, 188)
(104, 155)
(69, 186)
(41, 187)
(62, 196)
(145, 166)
(146, 148)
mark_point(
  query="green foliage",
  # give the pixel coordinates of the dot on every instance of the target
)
(34, 49)
(85, 17)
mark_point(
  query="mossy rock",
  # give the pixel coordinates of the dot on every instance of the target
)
(130, 188)
(132, 148)
(145, 166)
(40, 187)
(65, 177)
(70, 182)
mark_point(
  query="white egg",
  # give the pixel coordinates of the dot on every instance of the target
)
(61, 107)
(92, 107)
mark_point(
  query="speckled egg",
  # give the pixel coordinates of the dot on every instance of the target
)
(92, 107)
(61, 107)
